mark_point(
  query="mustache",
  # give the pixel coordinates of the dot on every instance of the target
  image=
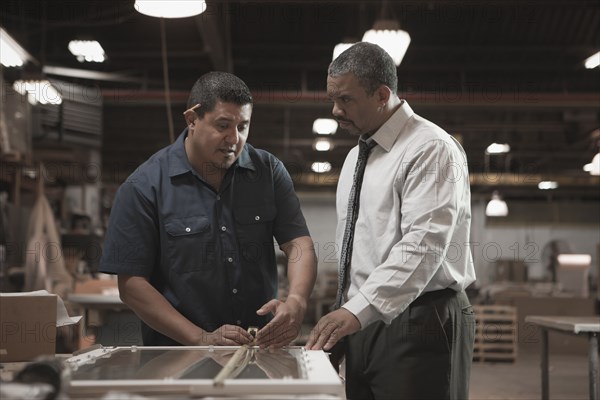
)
(339, 119)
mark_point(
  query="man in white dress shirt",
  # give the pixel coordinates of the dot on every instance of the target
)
(407, 323)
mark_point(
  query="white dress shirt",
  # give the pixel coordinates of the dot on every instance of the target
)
(412, 232)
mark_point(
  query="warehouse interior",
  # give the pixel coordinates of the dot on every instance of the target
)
(510, 80)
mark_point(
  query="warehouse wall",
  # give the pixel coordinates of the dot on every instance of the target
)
(319, 211)
(528, 229)
(521, 236)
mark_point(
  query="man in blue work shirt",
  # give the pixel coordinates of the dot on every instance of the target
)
(191, 232)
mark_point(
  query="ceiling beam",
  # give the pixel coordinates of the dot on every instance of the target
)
(476, 179)
(511, 179)
(87, 74)
(475, 97)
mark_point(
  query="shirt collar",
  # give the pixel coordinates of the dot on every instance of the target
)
(388, 133)
(179, 163)
(244, 161)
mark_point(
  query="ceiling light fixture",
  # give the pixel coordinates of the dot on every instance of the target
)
(498, 148)
(321, 167)
(87, 50)
(322, 144)
(594, 168)
(387, 34)
(496, 206)
(40, 91)
(170, 9)
(593, 61)
(340, 48)
(11, 53)
(325, 126)
(547, 185)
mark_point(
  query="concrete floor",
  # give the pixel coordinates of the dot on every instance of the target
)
(521, 380)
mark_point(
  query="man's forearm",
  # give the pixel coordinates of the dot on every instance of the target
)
(152, 308)
(302, 268)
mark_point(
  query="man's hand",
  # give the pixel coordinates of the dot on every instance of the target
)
(226, 335)
(285, 325)
(331, 328)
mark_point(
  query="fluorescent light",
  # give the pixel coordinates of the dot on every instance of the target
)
(325, 126)
(498, 148)
(496, 207)
(322, 144)
(321, 167)
(38, 92)
(11, 53)
(574, 259)
(388, 35)
(30, 172)
(170, 9)
(340, 48)
(547, 185)
(593, 61)
(87, 50)
(595, 167)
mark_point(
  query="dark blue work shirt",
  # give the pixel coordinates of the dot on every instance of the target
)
(210, 254)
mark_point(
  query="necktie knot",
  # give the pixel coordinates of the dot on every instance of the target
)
(365, 147)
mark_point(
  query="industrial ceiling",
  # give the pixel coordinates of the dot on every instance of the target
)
(486, 71)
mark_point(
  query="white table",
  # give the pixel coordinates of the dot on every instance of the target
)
(589, 326)
(97, 302)
(113, 306)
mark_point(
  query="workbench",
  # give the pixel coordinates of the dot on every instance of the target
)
(589, 326)
(114, 323)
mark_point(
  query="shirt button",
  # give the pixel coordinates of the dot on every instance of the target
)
(187, 229)
(223, 228)
(257, 218)
(218, 197)
(234, 291)
(230, 259)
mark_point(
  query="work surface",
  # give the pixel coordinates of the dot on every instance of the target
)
(587, 326)
(568, 324)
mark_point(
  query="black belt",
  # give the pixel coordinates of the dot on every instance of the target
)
(434, 295)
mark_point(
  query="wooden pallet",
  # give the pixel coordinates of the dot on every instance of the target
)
(495, 333)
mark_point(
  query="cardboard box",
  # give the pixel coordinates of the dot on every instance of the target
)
(574, 279)
(27, 327)
(511, 270)
(97, 286)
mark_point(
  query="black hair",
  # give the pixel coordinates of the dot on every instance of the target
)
(218, 86)
(371, 65)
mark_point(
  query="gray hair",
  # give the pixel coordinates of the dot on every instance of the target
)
(371, 65)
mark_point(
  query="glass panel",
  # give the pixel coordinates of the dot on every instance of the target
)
(149, 363)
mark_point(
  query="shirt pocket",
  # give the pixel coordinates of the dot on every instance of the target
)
(190, 246)
(254, 225)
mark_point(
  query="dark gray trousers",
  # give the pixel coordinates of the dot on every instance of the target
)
(425, 353)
